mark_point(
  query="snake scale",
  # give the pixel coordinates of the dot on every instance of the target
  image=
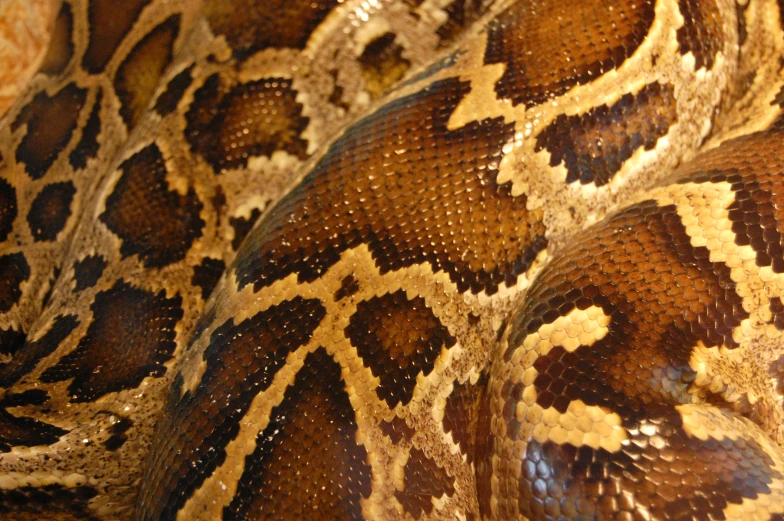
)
(396, 260)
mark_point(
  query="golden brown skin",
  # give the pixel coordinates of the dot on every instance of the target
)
(356, 260)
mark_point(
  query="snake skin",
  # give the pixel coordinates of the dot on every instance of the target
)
(396, 260)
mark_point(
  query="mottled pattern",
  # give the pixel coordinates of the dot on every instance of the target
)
(590, 145)
(382, 64)
(250, 26)
(88, 145)
(110, 20)
(255, 119)
(129, 339)
(454, 171)
(542, 44)
(397, 338)
(246, 355)
(701, 31)
(14, 270)
(50, 122)
(50, 210)
(153, 221)
(424, 479)
(307, 463)
(138, 75)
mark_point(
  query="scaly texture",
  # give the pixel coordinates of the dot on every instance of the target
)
(405, 259)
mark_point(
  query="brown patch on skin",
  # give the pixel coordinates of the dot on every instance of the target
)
(30, 397)
(26, 432)
(110, 21)
(549, 47)
(155, 223)
(28, 356)
(118, 432)
(250, 26)
(348, 287)
(663, 296)
(241, 361)
(686, 478)
(595, 145)
(776, 370)
(484, 450)
(755, 213)
(460, 14)
(50, 122)
(88, 271)
(226, 126)
(461, 414)
(130, 338)
(207, 274)
(169, 98)
(397, 339)
(50, 210)
(424, 480)
(61, 46)
(54, 502)
(701, 33)
(11, 341)
(777, 310)
(138, 76)
(397, 430)
(13, 271)
(429, 200)
(242, 226)
(88, 146)
(8, 209)
(382, 64)
(324, 482)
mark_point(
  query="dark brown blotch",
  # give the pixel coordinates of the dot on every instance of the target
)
(461, 414)
(14, 270)
(397, 339)
(228, 125)
(110, 21)
(61, 45)
(460, 15)
(776, 307)
(348, 287)
(206, 274)
(242, 226)
(88, 146)
(250, 26)
(757, 216)
(684, 478)
(50, 210)
(139, 74)
(11, 341)
(8, 209)
(549, 47)
(594, 146)
(51, 121)
(118, 434)
(423, 480)
(170, 97)
(701, 32)
(663, 295)
(130, 338)
(397, 430)
(382, 64)
(26, 358)
(88, 271)
(48, 502)
(307, 463)
(240, 362)
(25, 432)
(413, 191)
(155, 223)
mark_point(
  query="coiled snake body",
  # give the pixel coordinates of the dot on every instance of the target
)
(396, 259)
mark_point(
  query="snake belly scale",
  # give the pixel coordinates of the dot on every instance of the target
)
(395, 260)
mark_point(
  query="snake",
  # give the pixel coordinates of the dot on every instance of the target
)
(394, 260)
